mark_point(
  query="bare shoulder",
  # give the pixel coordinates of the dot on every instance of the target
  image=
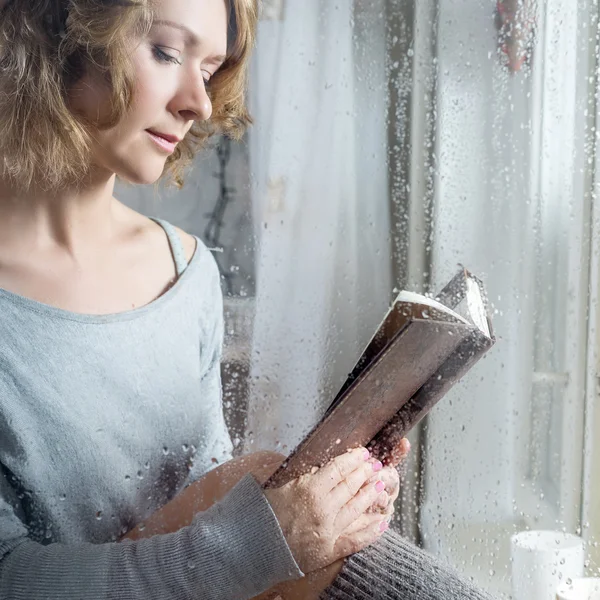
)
(189, 243)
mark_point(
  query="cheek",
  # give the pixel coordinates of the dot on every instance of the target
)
(152, 86)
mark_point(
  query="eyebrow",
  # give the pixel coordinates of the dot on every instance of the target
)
(193, 38)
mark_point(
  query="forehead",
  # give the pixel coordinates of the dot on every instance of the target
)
(206, 20)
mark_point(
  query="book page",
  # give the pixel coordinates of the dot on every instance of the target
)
(477, 308)
(421, 303)
(472, 307)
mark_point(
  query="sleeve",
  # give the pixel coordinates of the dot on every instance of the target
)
(234, 551)
(218, 446)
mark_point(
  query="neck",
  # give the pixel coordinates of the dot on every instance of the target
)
(72, 219)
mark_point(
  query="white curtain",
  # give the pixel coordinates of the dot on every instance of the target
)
(320, 198)
(511, 204)
(483, 220)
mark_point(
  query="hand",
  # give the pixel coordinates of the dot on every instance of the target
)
(391, 448)
(389, 475)
(317, 511)
(384, 505)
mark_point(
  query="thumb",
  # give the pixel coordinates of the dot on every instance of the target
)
(351, 543)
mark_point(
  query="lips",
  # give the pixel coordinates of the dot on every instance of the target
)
(164, 141)
(170, 138)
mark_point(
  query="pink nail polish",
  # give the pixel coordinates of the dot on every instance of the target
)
(380, 486)
(366, 455)
(377, 466)
(383, 527)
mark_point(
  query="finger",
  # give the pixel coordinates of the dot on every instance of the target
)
(344, 491)
(389, 476)
(399, 451)
(336, 470)
(358, 505)
(384, 500)
(348, 544)
(362, 522)
(381, 504)
(391, 448)
(384, 513)
(389, 511)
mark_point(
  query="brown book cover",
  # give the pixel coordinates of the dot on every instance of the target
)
(421, 349)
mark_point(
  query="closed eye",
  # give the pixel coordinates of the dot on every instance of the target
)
(162, 56)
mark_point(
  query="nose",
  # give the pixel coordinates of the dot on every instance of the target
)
(194, 102)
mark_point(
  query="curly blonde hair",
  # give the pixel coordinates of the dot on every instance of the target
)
(45, 46)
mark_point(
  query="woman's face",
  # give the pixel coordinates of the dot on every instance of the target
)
(173, 65)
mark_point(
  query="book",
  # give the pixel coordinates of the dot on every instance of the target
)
(421, 349)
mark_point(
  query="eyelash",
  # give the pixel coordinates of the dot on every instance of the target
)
(163, 57)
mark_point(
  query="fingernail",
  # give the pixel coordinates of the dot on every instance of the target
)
(380, 486)
(383, 527)
(366, 455)
(377, 466)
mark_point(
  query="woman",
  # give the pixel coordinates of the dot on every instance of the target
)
(111, 329)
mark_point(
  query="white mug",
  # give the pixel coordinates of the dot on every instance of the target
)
(543, 560)
(586, 588)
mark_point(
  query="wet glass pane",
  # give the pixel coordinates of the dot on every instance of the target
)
(393, 143)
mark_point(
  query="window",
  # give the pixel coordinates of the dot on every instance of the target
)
(393, 140)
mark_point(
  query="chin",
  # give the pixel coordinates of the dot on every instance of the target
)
(142, 174)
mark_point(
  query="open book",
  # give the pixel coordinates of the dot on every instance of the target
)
(421, 349)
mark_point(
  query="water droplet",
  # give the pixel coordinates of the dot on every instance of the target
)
(191, 564)
(185, 447)
(63, 497)
(127, 477)
(165, 450)
(99, 515)
(140, 475)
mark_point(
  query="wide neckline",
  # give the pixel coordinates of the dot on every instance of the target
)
(60, 313)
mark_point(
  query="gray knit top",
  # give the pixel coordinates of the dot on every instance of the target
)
(103, 419)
